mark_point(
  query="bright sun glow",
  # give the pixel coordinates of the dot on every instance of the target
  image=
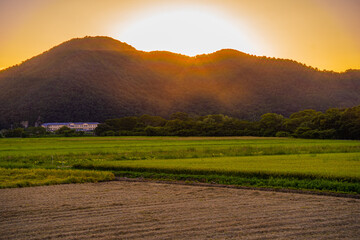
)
(189, 31)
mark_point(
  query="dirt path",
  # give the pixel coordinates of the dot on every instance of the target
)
(145, 210)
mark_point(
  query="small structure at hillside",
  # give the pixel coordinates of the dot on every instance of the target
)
(77, 126)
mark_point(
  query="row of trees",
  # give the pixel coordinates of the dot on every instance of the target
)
(39, 132)
(332, 124)
(20, 131)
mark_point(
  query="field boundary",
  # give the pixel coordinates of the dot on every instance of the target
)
(283, 190)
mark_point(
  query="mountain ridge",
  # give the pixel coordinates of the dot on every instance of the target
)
(163, 52)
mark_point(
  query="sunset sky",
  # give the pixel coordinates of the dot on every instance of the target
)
(320, 33)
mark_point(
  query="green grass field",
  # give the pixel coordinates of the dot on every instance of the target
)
(328, 165)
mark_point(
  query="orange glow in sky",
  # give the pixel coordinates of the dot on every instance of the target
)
(320, 33)
(189, 30)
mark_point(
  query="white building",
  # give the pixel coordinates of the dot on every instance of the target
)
(77, 126)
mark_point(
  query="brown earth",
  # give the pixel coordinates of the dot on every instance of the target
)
(147, 210)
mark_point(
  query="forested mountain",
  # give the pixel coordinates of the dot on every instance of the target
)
(98, 78)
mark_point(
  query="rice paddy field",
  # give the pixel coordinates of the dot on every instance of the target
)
(317, 165)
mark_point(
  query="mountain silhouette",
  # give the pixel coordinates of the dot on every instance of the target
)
(97, 78)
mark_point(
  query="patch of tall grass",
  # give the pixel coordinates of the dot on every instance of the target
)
(10, 178)
(66, 160)
(328, 185)
(335, 165)
(331, 172)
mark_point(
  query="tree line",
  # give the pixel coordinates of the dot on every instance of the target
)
(19, 131)
(334, 123)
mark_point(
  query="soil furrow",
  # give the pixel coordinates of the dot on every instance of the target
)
(148, 210)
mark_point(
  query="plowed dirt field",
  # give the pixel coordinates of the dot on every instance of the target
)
(147, 210)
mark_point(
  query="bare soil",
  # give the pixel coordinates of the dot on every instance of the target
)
(148, 210)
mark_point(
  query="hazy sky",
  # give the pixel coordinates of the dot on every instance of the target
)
(319, 33)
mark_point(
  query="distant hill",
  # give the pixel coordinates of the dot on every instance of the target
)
(97, 78)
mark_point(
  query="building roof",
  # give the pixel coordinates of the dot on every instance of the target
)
(68, 123)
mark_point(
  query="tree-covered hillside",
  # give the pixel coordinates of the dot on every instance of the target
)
(98, 78)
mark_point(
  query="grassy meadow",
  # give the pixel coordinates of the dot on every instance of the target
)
(327, 165)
